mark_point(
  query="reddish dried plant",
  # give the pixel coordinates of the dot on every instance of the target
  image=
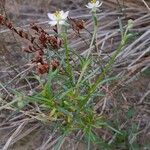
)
(45, 39)
(40, 40)
(38, 46)
(42, 68)
(55, 42)
(1, 19)
(77, 25)
(54, 64)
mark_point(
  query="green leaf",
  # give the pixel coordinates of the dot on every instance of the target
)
(20, 101)
(121, 27)
(90, 75)
(60, 142)
(113, 129)
(48, 91)
(85, 66)
(64, 111)
(130, 113)
(41, 100)
(91, 137)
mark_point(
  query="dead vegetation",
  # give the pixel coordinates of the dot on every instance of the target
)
(128, 100)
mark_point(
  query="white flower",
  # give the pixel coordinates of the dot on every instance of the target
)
(93, 4)
(59, 17)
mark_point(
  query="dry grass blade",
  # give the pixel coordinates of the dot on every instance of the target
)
(139, 4)
(14, 135)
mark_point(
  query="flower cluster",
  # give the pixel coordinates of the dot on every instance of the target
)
(59, 17)
(94, 5)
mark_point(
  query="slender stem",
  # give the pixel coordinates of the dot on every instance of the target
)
(105, 70)
(58, 29)
(109, 64)
(67, 53)
(94, 33)
(95, 30)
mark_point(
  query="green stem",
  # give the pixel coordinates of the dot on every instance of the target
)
(95, 29)
(58, 29)
(94, 33)
(67, 53)
(105, 70)
(108, 65)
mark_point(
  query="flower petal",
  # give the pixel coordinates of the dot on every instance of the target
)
(61, 22)
(61, 13)
(100, 4)
(51, 16)
(52, 23)
(90, 6)
(64, 15)
(97, 3)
